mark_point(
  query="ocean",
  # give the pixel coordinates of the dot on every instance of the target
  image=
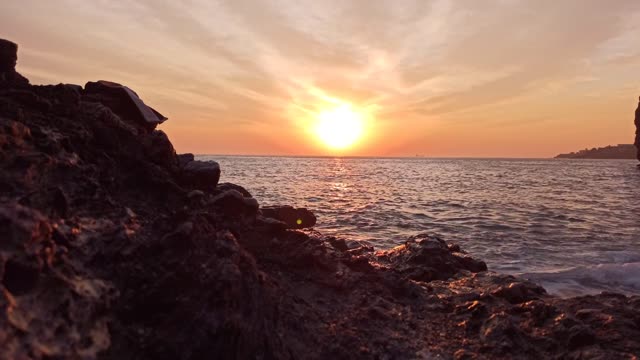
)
(571, 225)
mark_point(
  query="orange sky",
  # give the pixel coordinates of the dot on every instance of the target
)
(505, 78)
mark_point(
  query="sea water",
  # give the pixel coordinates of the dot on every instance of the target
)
(571, 225)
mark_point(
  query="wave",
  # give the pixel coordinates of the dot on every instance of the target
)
(544, 214)
(588, 280)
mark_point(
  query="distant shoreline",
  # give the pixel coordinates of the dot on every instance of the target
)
(620, 151)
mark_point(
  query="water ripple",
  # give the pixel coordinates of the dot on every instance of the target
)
(522, 216)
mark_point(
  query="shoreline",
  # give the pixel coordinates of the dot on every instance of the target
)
(118, 248)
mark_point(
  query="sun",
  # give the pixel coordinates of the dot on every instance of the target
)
(339, 127)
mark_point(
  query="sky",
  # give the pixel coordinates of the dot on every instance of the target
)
(441, 78)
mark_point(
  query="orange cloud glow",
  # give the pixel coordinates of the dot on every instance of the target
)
(520, 78)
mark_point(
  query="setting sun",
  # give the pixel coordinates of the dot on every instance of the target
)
(339, 127)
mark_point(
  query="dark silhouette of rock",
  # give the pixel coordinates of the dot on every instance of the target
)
(107, 252)
(8, 61)
(160, 150)
(8, 56)
(519, 292)
(222, 187)
(233, 203)
(295, 218)
(124, 102)
(184, 159)
(201, 174)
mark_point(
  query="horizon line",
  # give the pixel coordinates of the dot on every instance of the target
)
(400, 157)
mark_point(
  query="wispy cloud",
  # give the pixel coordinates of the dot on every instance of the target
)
(240, 62)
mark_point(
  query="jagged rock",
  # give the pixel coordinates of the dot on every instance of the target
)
(201, 174)
(13, 135)
(271, 225)
(580, 336)
(8, 60)
(124, 102)
(426, 258)
(338, 244)
(160, 150)
(222, 187)
(44, 295)
(295, 218)
(65, 98)
(100, 113)
(500, 332)
(8, 55)
(184, 159)
(233, 203)
(195, 194)
(519, 292)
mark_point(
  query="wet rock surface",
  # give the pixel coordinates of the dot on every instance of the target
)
(295, 218)
(114, 248)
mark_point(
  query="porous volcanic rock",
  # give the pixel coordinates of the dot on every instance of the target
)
(426, 258)
(108, 253)
(295, 218)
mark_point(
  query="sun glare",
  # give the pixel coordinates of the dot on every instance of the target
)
(340, 127)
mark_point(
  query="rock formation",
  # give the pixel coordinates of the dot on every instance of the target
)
(8, 61)
(115, 247)
(292, 217)
(124, 102)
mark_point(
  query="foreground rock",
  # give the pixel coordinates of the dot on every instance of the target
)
(201, 174)
(294, 218)
(8, 60)
(113, 249)
(124, 102)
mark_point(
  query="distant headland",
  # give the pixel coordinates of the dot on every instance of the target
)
(620, 151)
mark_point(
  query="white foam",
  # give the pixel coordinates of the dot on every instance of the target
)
(585, 280)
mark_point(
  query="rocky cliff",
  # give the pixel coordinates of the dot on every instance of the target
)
(115, 247)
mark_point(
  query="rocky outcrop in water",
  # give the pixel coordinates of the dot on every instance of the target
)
(294, 218)
(113, 247)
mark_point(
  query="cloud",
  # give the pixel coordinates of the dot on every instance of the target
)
(239, 62)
